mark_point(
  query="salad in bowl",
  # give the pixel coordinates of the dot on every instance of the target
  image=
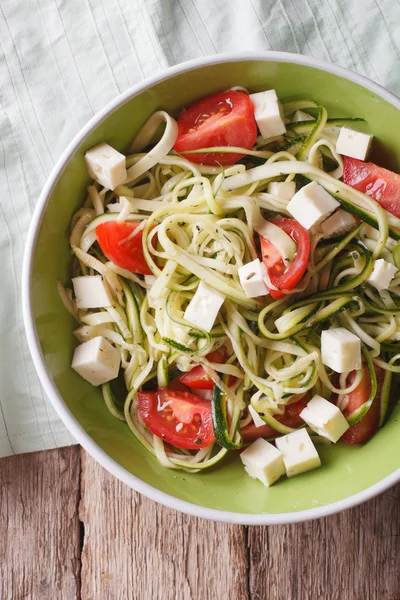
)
(236, 283)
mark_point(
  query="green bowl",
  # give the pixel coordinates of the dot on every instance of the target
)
(349, 475)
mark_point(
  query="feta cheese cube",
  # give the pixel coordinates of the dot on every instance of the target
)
(382, 274)
(106, 165)
(325, 418)
(257, 420)
(300, 115)
(339, 223)
(268, 113)
(353, 143)
(299, 453)
(263, 461)
(97, 361)
(285, 190)
(204, 307)
(341, 350)
(91, 292)
(251, 278)
(311, 205)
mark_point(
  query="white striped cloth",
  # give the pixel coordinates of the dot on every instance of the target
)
(62, 61)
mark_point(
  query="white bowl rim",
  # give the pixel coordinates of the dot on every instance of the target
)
(47, 382)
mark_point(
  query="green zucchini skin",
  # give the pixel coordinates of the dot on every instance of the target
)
(220, 424)
(152, 384)
(360, 412)
(306, 126)
(385, 397)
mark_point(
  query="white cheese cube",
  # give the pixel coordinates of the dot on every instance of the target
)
(382, 274)
(97, 361)
(263, 461)
(300, 115)
(204, 307)
(268, 114)
(257, 420)
(299, 453)
(353, 143)
(341, 350)
(91, 292)
(311, 205)
(106, 165)
(339, 223)
(285, 190)
(251, 278)
(325, 418)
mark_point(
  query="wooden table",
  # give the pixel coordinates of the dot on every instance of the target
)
(69, 531)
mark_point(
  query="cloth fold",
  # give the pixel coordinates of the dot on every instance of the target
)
(61, 61)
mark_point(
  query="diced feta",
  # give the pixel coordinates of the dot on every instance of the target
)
(268, 113)
(97, 361)
(285, 190)
(353, 143)
(106, 165)
(299, 453)
(204, 307)
(311, 205)
(251, 278)
(257, 420)
(340, 350)
(382, 274)
(263, 461)
(91, 292)
(300, 115)
(339, 223)
(325, 418)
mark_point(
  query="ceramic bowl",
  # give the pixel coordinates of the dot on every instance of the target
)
(349, 475)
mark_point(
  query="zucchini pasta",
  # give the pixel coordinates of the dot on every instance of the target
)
(236, 288)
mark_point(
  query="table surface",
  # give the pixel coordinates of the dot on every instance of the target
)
(69, 530)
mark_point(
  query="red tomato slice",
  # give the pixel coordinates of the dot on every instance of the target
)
(225, 119)
(286, 278)
(184, 421)
(379, 183)
(123, 249)
(291, 418)
(364, 429)
(198, 379)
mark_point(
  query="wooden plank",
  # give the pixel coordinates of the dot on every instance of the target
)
(39, 526)
(135, 549)
(351, 556)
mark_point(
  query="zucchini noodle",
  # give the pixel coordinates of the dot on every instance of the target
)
(197, 224)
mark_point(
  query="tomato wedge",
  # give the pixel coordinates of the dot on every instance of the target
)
(379, 183)
(225, 119)
(197, 378)
(291, 418)
(123, 246)
(282, 277)
(179, 418)
(368, 425)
